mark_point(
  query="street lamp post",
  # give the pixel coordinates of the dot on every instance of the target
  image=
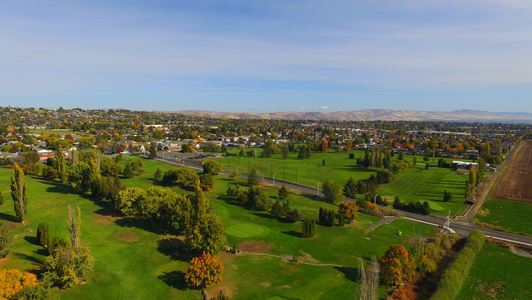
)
(318, 189)
(273, 178)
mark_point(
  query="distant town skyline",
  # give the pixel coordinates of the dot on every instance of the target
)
(267, 56)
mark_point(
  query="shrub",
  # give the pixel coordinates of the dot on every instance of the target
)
(4, 241)
(12, 281)
(42, 234)
(454, 276)
(307, 228)
(332, 192)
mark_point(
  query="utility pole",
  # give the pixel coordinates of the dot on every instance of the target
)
(318, 189)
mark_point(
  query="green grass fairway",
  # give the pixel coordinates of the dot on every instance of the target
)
(310, 172)
(127, 261)
(498, 274)
(508, 215)
(246, 230)
(134, 262)
(417, 184)
(50, 131)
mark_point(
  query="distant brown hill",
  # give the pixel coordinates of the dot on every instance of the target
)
(376, 114)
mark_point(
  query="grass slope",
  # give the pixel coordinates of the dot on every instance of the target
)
(498, 274)
(506, 214)
(417, 184)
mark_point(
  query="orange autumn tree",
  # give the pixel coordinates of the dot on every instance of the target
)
(204, 270)
(348, 211)
(13, 280)
(396, 266)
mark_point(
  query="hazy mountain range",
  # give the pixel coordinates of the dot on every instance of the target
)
(376, 114)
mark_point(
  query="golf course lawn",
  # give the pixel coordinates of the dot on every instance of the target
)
(417, 184)
(498, 274)
(133, 261)
(127, 262)
(508, 215)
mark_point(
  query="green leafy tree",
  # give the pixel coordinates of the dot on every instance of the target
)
(43, 234)
(60, 165)
(332, 192)
(153, 150)
(4, 241)
(158, 175)
(350, 188)
(212, 167)
(204, 232)
(283, 192)
(74, 225)
(18, 193)
(254, 178)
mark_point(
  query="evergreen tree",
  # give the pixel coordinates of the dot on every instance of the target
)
(153, 150)
(307, 229)
(350, 189)
(18, 193)
(74, 226)
(61, 167)
(283, 192)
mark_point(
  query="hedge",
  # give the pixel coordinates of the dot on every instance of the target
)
(454, 276)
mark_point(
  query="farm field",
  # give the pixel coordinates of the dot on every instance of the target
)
(133, 261)
(508, 215)
(497, 273)
(509, 205)
(417, 184)
(516, 182)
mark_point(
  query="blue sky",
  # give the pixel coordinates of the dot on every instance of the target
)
(267, 55)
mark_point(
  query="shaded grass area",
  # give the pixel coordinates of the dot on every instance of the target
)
(508, 215)
(417, 184)
(498, 274)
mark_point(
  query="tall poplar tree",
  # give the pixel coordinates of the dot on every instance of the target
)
(18, 192)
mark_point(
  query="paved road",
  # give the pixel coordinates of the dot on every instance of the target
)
(463, 228)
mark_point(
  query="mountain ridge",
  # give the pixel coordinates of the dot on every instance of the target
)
(463, 115)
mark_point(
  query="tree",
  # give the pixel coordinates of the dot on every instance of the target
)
(307, 228)
(206, 182)
(61, 168)
(18, 192)
(396, 266)
(326, 217)
(332, 192)
(350, 188)
(158, 175)
(347, 210)
(283, 192)
(324, 145)
(204, 233)
(4, 241)
(368, 279)
(153, 150)
(1, 197)
(204, 270)
(74, 226)
(12, 281)
(212, 167)
(447, 196)
(254, 178)
(43, 234)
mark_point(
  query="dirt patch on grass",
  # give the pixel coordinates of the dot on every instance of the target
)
(491, 290)
(515, 183)
(255, 246)
(219, 290)
(128, 237)
(306, 257)
(104, 219)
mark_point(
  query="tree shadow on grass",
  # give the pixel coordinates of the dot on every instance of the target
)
(27, 257)
(139, 223)
(349, 273)
(32, 240)
(6, 217)
(175, 248)
(175, 279)
(292, 233)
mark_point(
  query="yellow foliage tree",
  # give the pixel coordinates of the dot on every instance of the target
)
(13, 280)
(204, 270)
